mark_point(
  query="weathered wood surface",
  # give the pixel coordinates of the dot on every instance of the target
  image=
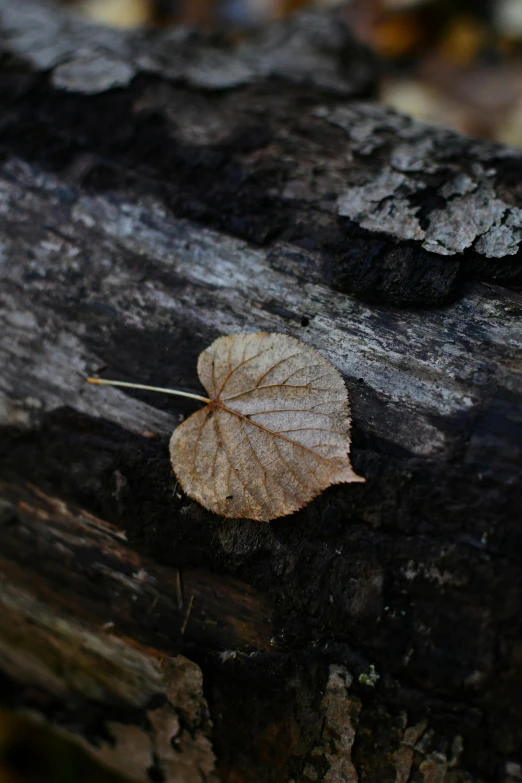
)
(188, 191)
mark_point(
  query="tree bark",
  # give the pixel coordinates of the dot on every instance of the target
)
(158, 190)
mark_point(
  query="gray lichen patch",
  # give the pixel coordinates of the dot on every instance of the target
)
(464, 219)
(92, 72)
(89, 59)
(381, 205)
(369, 126)
(369, 678)
(39, 34)
(471, 212)
(414, 156)
(502, 239)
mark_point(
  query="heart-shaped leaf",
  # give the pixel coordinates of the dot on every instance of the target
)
(274, 434)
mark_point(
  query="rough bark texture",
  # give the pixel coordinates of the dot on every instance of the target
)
(157, 191)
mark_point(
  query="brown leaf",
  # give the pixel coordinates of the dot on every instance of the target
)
(275, 434)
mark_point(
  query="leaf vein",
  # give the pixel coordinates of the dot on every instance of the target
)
(245, 487)
(196, 444)
(216, 495)
(300, 481)
(307, 429)
(277, 386)
(281, 361)
(283, 410)
(241, 364)
(276, 433)
(265, 471)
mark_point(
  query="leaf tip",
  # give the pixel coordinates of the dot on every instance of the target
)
(354, 478)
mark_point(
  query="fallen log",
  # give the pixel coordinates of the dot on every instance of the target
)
(158, 190)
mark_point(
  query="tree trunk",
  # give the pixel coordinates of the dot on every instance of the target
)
(158, 190)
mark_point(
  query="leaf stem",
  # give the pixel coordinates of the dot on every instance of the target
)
(103, 382)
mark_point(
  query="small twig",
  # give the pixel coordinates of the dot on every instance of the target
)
(153, 604)
(179, 588)
(189, 610)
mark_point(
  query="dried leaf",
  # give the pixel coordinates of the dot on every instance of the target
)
(275, 433)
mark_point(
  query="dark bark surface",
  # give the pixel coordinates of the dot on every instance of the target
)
(157, 191)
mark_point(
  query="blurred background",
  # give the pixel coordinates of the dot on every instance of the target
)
(456, 63)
